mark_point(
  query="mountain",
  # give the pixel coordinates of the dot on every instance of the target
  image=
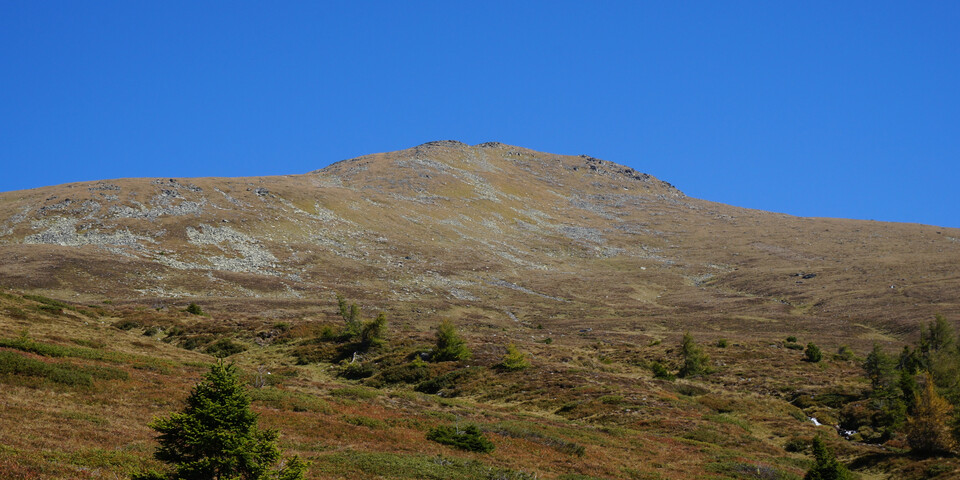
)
(503, 231)
(497, 232)
(583, 289)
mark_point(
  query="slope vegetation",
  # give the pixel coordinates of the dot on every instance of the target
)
(592, 270)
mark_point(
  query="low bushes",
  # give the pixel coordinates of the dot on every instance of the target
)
(224, 348)
(468, 438)
(16, 364)
(282, 399)
(412, 372)
(448, 382)
(50, 350)
(356, 370)
(12, 363)
(555, 443)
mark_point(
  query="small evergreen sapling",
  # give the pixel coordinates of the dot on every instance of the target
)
(373, 333)
(194, 309)
(826, 467)
(694, 360)
(844, 353)
(659, 371)
(449, 344)
(367, 334)
(351, 316)
(514, 360)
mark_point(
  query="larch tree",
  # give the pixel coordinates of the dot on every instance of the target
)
(928, 429)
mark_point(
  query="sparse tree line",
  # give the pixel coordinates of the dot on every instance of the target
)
(216, 435)
(916, 393)
(350, 343)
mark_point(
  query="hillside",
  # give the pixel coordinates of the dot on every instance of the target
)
(590, 267)
(502, 231)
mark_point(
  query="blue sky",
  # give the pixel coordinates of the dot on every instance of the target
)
(835, 109)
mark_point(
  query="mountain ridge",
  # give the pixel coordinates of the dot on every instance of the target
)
(491, 227)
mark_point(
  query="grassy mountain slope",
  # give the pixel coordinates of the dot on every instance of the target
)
(593, 269)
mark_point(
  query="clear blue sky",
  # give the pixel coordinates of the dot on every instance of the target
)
(839, 109)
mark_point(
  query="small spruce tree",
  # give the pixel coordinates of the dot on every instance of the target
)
(940, 334)
(216, 436)
(844, 353)
(880, 370)
(909, 361)
(374, 332)
(813, 353)
(659, 371)
(694, 360)
(449, 345)
(514, 359)
(351, 316)
(826, 467)
(194, 309)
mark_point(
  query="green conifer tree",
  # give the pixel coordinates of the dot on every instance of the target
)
(694, 360)
(351, 316)
(812, 353)
(449, 345)
(826, 467)
(939, 334)
(216, 436)
(514, 359)
(374, 332)
(880, 371)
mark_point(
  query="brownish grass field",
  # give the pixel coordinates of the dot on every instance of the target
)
(588, 408)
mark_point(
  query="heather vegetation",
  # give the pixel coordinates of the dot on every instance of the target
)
(541, 298)
(353, 398)
(468, 438)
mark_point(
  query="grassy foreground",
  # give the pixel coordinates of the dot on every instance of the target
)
(80, 383)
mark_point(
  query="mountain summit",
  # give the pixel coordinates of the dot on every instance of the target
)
(502, 233)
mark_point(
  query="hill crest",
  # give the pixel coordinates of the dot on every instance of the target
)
(501, 231)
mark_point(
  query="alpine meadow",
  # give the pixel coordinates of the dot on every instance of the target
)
(452, 311)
